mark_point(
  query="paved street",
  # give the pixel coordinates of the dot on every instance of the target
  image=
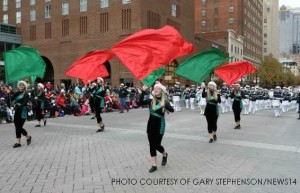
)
(69, 156)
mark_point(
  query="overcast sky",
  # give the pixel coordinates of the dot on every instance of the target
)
(292, 3)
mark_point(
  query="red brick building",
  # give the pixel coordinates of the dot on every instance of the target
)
(214, 17)
(65, 30)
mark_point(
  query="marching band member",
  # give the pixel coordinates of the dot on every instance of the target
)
(285, 103)
(276, 102)
(192, 96)
(252, 97)
(225, 92)
(176, 96)
(201, 100)
(212, 109)
(186, 94)
(237, 104)
(246, 101)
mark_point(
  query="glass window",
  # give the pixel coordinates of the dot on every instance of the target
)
(32, 2)
(231, 9)
(47, 11)
(126, 1)
(83, 5)
(18, 3)
(231, 20)
(5, 18)
(5, 5)
(104, 3)
(65, 8)
(32, 15)
(47, 0)
(203, 12)
(173, 9)
(18, 17)
(203, 23)
(203, 2)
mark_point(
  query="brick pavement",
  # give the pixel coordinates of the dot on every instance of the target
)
(69, 156)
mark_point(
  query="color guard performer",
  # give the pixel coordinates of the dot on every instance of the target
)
(237, 104)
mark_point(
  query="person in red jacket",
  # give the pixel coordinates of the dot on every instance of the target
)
(61, 100)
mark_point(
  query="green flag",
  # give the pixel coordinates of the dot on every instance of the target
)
(153, 76)
(23, 62)
(199, 66)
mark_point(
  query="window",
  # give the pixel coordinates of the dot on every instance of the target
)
(65, 27)
(231, 9)
(231, 20)
(126, 1)
(173, 9)
(33, 32)
(32, 2)
(83, 25)
(5, 5)
(32, 15)
(203, 12)
(126, 19)
(104, 3)
(5, 18)
(83, 5)
(203, 23)
(18, 3)
(18, 17)
(47, 0)
(203, 2)
(47, 11)
(48, 30)
(153, 20)
(103, 22)
(216, 10)
(65, 8)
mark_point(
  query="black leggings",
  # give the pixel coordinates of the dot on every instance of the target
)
(155, 144)
(211, 123)
(19, 122)
(98, 112)
(40, 114)
(237, 114)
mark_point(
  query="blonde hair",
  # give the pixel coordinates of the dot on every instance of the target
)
(209, 95)
(154, 101)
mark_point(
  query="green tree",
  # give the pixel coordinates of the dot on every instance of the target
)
(270, 72)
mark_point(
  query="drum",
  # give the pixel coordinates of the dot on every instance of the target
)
(245, 101)
(176, 98)
(275, 103)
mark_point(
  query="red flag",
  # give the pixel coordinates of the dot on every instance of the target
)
(232, 72)
(149, 49)
(90, 66)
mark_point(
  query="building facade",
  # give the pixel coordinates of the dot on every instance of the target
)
(65, 30)
(245, 17)
(271, 28)
(289, 30)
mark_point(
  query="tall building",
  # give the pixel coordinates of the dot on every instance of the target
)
(271, 28)
(245, 17)
(65, 30)
(289, 30)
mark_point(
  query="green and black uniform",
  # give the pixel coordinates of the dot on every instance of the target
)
(20, 104)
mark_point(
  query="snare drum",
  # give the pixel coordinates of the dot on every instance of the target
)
(276, 103)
